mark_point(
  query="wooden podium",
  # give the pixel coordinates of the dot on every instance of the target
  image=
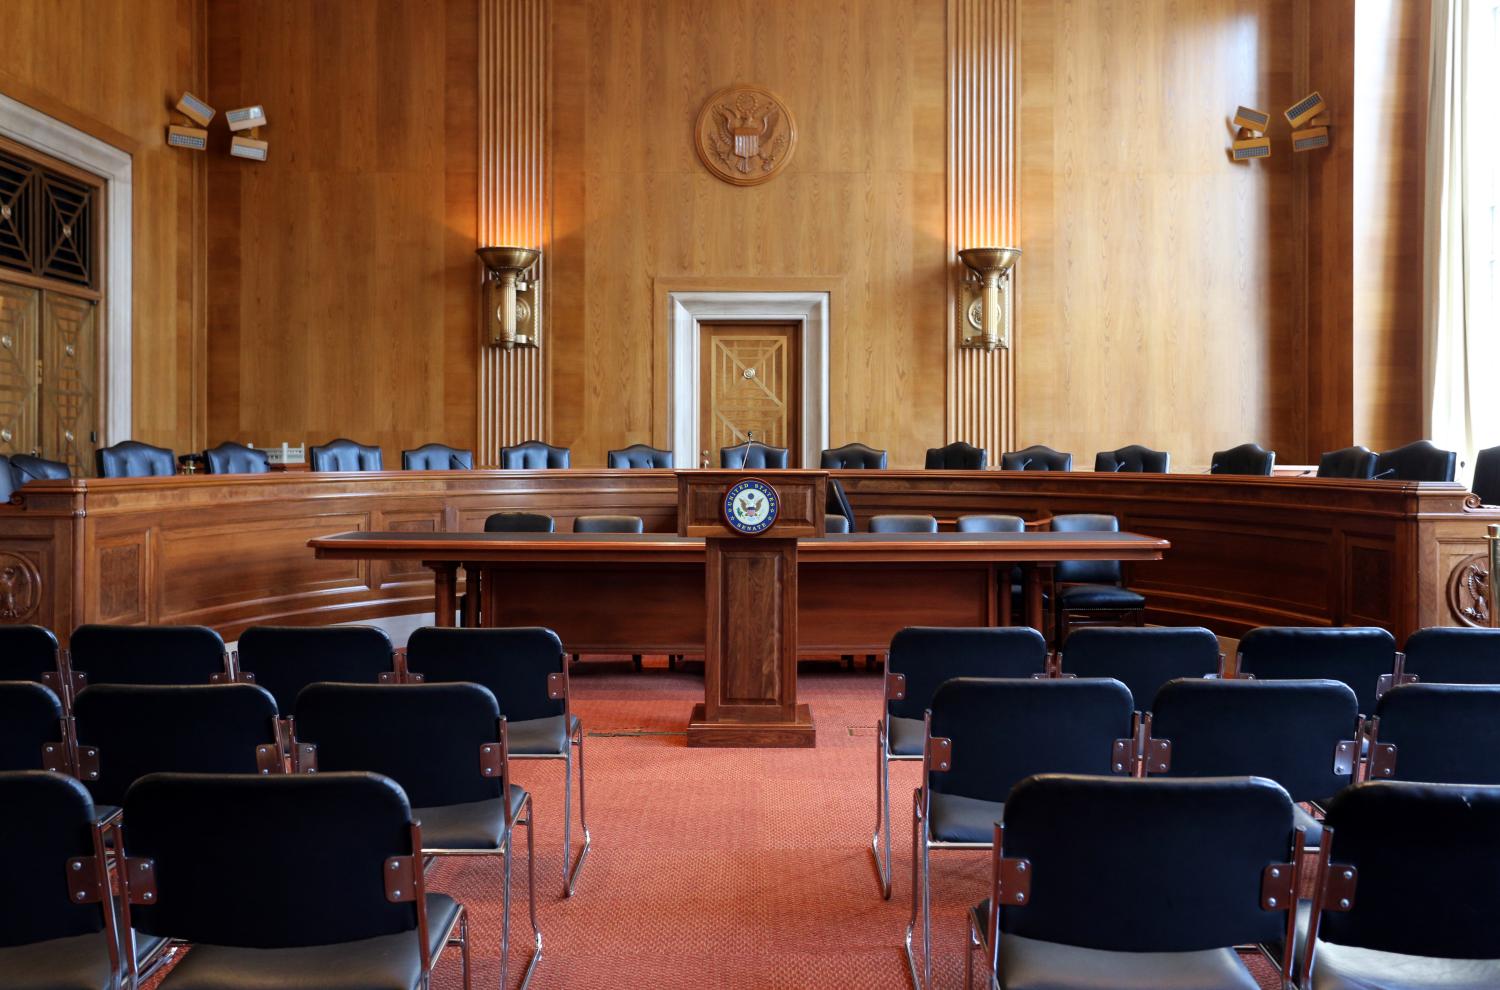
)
(750, 682)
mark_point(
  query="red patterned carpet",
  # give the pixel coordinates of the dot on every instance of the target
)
(719, 868)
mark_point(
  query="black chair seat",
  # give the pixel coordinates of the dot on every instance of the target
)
(389, 962)
(77, 963)
(473, 825)
(1313, 829)
(955, 818)
(539, 736)
(907, 736)
(1086, 596)
(1344, 967)
(1031, 964)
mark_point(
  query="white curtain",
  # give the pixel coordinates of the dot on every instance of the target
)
(1461, 280)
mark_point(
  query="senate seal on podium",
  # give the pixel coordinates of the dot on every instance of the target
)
(751, 506)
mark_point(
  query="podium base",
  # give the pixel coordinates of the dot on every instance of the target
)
(747, 735)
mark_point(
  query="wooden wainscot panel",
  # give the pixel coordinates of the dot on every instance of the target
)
(1366, 594)
(121, 566)
(889, 598)
(397, 572)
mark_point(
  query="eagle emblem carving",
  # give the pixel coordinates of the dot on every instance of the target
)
(745, 135)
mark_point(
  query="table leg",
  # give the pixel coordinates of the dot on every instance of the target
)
(1031, 575)
(444, 577)
(1002, 583)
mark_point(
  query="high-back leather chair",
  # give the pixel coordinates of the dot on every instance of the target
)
(345, 455)
(640, 455)
(853, 455)
(1486, 476)
(609, 524)
(837, 504)
(27, 467)
(437, 457)
(903, 524)
(1090, 592)
(133, 459)
(1037, 457)
(1351, 462)
(753, 455)
(235, 458)
(957, 456)
(519, 522)
(1133, 458)
(1247, 458)
(1419, 461)
(533, 455)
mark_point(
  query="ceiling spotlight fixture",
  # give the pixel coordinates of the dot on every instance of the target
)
(195, 109)
(193, 138)
(1305, 109)
(245, 118)
(248, 146)
(1252, 119)
(1250, 140)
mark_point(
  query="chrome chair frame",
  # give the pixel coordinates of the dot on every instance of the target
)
(571, 867)
(883, 759)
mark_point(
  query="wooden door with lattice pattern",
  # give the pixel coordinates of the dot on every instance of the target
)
(71, 362)
(18, 369)
(750, 387)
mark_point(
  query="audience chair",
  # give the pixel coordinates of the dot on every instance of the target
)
(1449, 655)
(286, 659)
(1142, 659)
(1133, 459)
(235, 458)
(292, 881)
(982, 737)
(640, 455)
(519, 522)
(133, 459)
(26, 468)
(753, 456)
(1247, 458)
(33, 729)
(1360, 656)
(1486, 476)
(426, 738)
(437, 457)
(345, 455)
(1392, 907)
(1420, 461)
(1111, 883)
(957, 456)
(920, 660)
(533, 455)
(1302, 734)
(1037, 457)
(30, 653)
(107, 654)
(837, 504)
(1437, 734)
(609, 524)
(1090, 592)
(1351, 462)
(903, 524)
(526, 670)
(853, 456)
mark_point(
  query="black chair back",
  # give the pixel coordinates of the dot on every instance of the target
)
(8, 483)
(533, 455)
(1143, 659)
(426, 737)
(1438, 734)
(27, 653)
(30, 719)
(835, 523)
(133, 459)
(1133, 458)
(437, 457)
(1486, 476)
(519, 522)
(1420, 461)
(26, 468)
(36, 904)
(753, 456)
(927, 656)
(837, 503)
(991, 524)
(1005, 730)
(272, 862)
(136, 729)
(853, 456)
(1357, 655)
(286, 659)
(640, 455)
(903, 524)
(1172, 891)
(107, 654)
(957, 456)
(513, 663)
(345, 455)
(1351, 462)
(1037, 457)
(1247, 458)
(1286, 731)
(609, 524)
(1454, 655)
(235, 458)
(1086, 571)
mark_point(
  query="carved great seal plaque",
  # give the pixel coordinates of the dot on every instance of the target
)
(745, 135)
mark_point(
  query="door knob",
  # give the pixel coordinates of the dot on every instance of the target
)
(68, 435)
(5, 435)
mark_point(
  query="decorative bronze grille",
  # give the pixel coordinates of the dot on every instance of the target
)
(47, 222)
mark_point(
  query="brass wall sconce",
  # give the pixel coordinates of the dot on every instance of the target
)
(984, 297)
(510, 302)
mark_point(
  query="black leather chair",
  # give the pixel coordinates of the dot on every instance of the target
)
(1141, 659)
(1350, 462)
(1120, 890)
(133, 459)
(8, 483)
(33, 731)
(1133, 458)
(983, 736)
(1419, 461)
(903, 524)
(835, 523)
(26, 468)
(289, 881)
(447, 746)
(345, 455)
(286, 659)
(991, 524)
(526, 670)
(1357, 655)
(1437, 734)
(533, 455)
(1247, 458)
(753, 456)
(837, 504)
(853, 456)
(519, 522)
(1452, 655)
(957, 456)
(921, 659)
(1089, 592)
(437, 457)
(1408, 889)
(1486, 476)
(235, 458)
(640, 455)
(29, 653)
(105, 654)
(1037, 457)
(609, 524)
